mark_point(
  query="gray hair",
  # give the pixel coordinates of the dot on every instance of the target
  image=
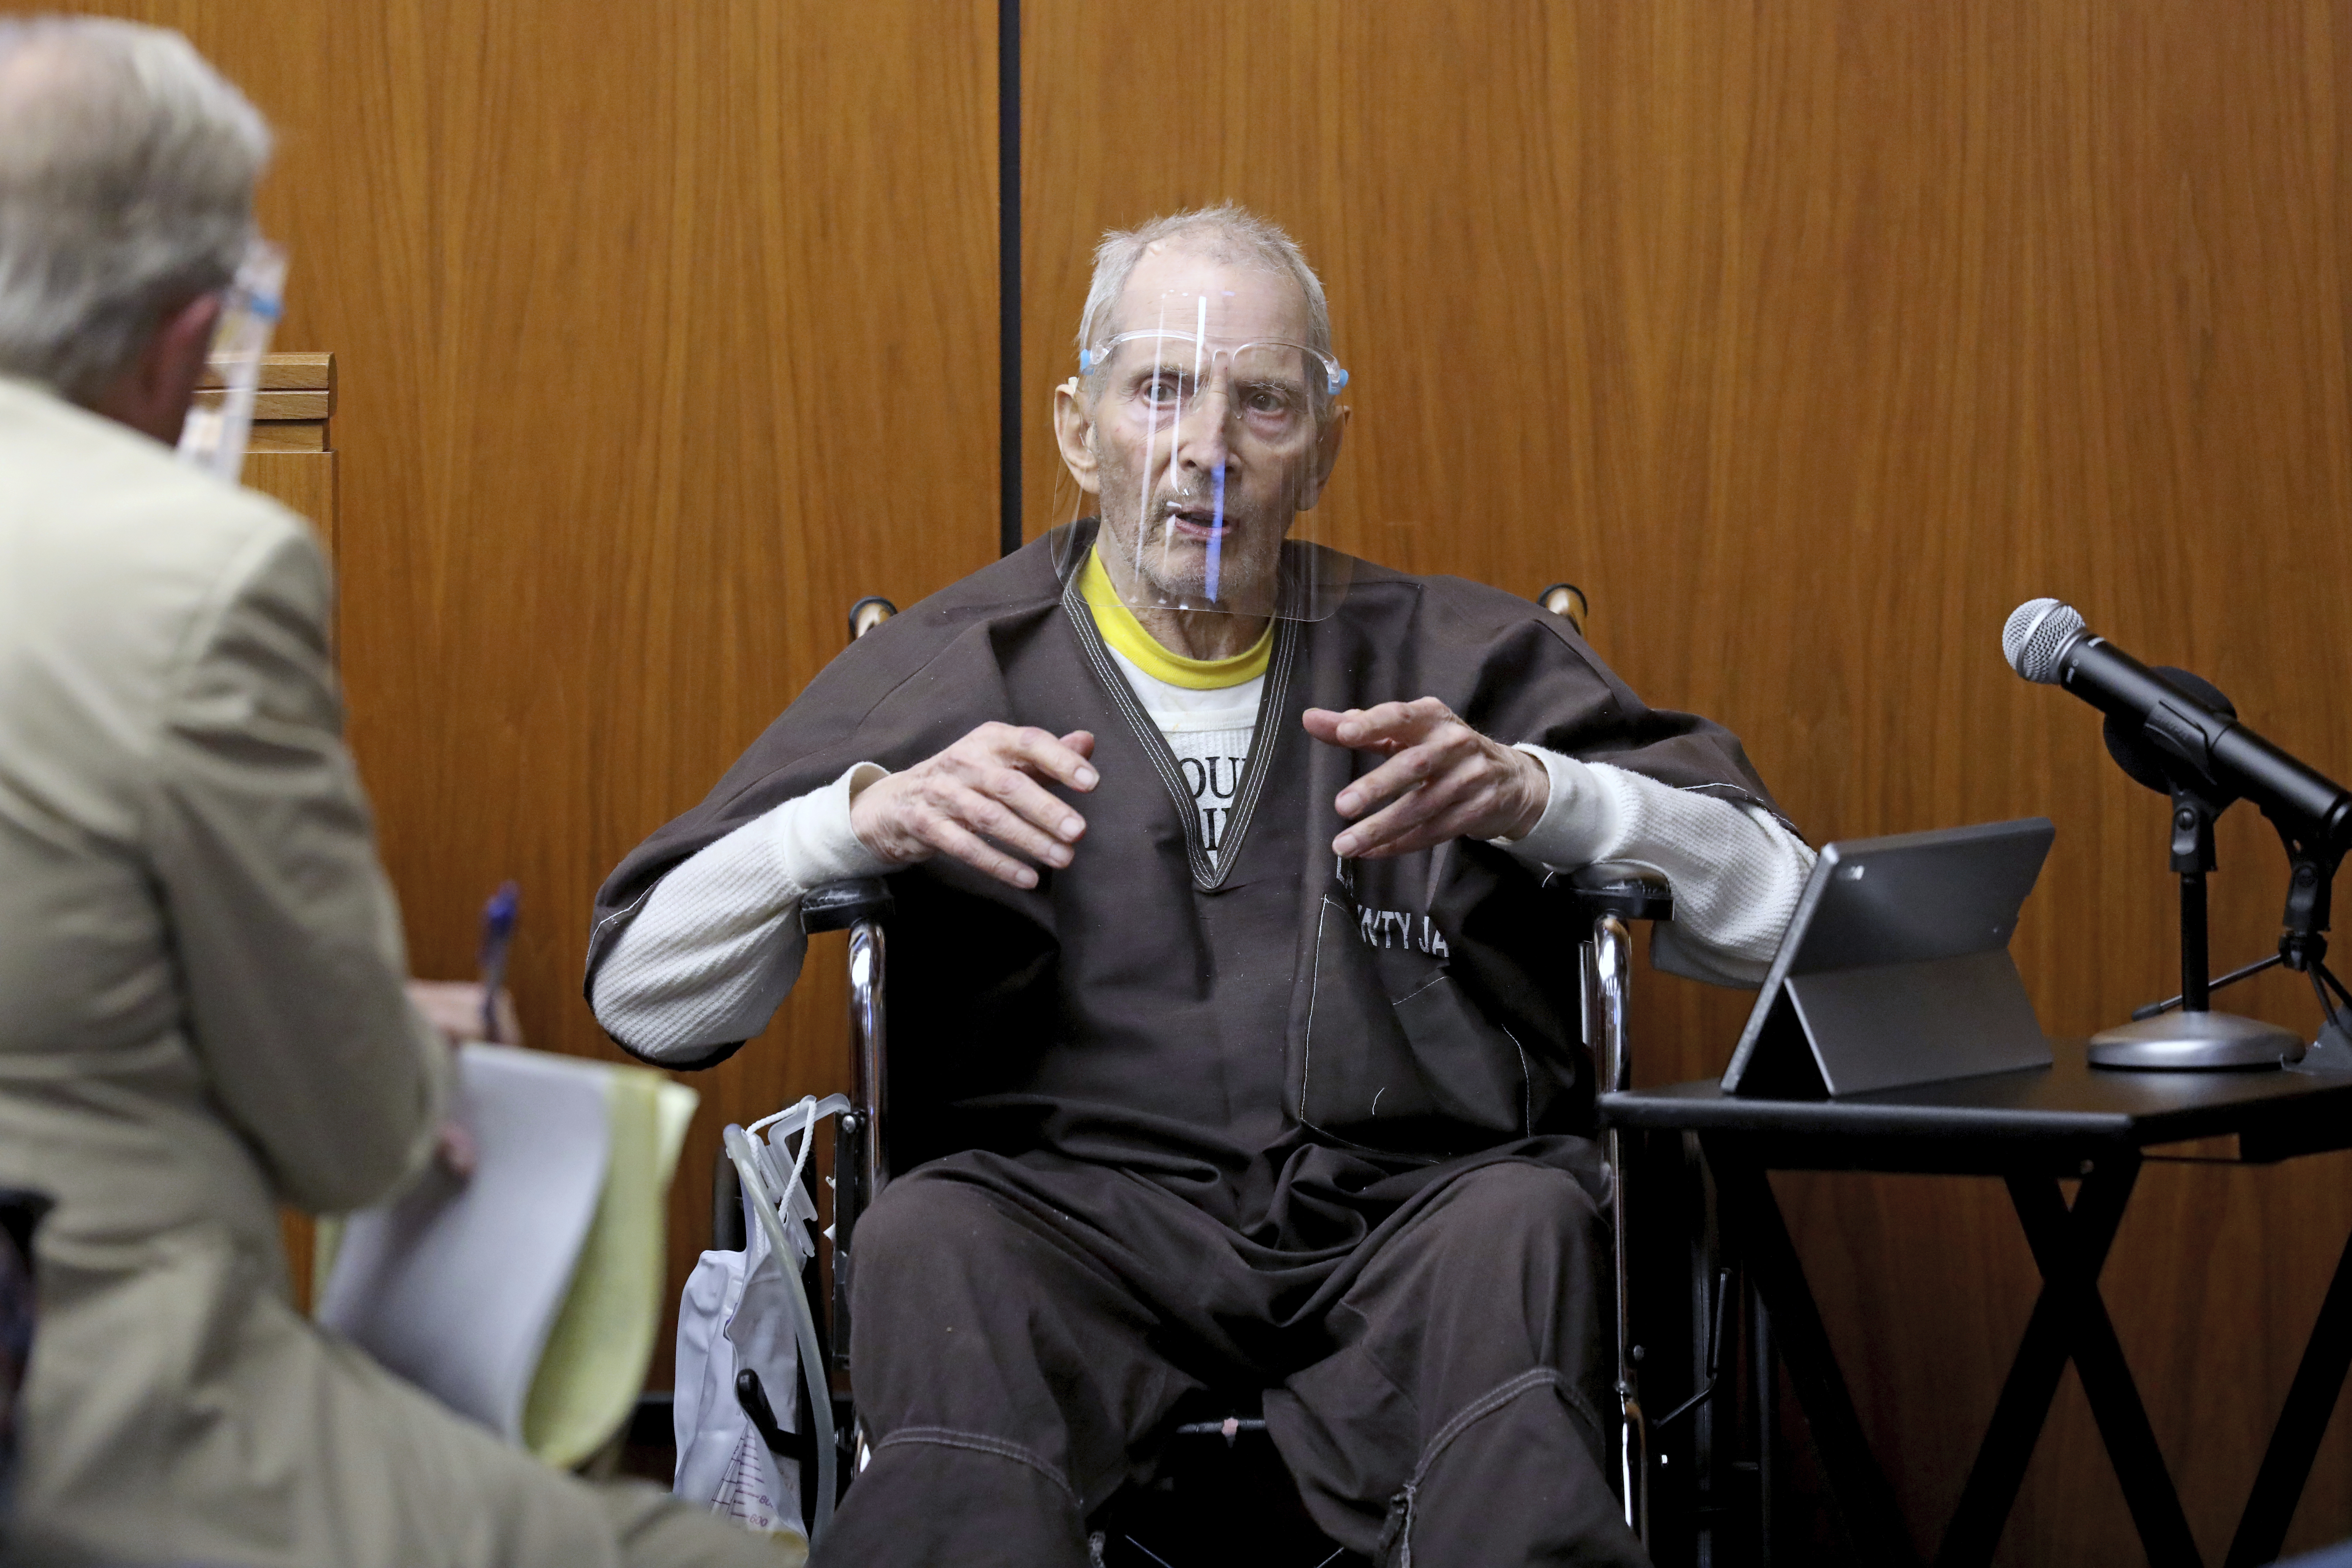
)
(1227, 232)
(127, 168)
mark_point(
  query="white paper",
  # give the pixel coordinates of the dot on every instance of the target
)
(455, 1285)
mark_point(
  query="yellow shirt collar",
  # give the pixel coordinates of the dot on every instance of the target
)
(1119, 628)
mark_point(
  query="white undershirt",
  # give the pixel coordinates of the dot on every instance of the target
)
(706, 957)
(1209, 731)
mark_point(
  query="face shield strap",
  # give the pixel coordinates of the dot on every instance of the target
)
(214, 438)
(1216, 550)
(1145, 476)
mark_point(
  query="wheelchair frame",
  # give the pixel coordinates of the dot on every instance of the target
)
(1610, 894)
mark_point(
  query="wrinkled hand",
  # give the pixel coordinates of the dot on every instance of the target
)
(978, 799)
(1442, 780)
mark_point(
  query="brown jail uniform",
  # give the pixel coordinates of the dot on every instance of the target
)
(1175, 1121)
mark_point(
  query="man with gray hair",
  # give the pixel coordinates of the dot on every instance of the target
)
(1232, 1046)
(201, 1005)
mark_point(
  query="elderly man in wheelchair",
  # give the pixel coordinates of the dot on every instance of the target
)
(1232, 1041)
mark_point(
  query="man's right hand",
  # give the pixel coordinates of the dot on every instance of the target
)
(978, 799)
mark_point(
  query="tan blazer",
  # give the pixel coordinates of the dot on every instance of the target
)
(202, 1015)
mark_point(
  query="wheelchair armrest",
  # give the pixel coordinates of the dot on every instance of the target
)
(1621, 888)
(837, 905)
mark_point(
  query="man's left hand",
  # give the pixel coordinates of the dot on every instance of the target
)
(1442, 780)
(454, 1008)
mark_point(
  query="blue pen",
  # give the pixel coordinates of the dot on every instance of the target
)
(497, 935)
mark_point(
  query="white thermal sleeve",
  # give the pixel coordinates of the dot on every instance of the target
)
(1737, 873)
(709, 955)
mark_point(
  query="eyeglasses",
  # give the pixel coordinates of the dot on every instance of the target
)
(1265, 356)
(1159, 379)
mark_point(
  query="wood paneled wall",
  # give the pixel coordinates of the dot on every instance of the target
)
(665, 332)
(1810, 337)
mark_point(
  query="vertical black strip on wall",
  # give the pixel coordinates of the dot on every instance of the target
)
(1008, 272)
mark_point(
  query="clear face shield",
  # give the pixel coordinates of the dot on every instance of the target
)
(1210, 451)
(218, 426)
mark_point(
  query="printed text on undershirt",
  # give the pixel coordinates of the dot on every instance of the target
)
(1205, 708)
(1211, 762)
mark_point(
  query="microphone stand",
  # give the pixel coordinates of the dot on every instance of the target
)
(2302, 945)
(2196, 1036)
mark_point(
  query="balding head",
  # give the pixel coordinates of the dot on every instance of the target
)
(1226, 233)
(127, 169)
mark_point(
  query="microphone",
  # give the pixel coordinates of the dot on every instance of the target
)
(2046, 642)
(2145, 764)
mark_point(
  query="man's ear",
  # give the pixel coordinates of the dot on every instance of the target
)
(1326, 453)
(152, 393)
(1073, 429)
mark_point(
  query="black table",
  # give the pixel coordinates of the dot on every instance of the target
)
(2033, 1128)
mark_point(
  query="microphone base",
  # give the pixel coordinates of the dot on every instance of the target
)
(2196, 1042)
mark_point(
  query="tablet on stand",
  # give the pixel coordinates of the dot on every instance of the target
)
(1896, 969)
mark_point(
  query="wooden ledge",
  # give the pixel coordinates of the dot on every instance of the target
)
(308, 370)
(268, 404)
(291, 410)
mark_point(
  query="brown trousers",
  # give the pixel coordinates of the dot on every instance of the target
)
(1023, 1327)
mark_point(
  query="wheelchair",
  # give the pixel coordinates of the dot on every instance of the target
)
(1217, 1445)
